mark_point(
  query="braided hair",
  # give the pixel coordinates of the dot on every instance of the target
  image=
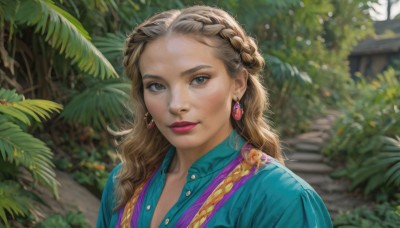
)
(142, 150)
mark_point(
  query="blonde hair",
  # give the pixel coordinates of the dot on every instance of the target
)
(142, 150)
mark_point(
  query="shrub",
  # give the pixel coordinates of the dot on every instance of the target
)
(70, 220)
(366, 136)
(383, 215)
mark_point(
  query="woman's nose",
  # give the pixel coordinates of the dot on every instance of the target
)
(179, 101)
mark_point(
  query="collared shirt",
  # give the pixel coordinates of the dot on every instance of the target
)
(273, 197)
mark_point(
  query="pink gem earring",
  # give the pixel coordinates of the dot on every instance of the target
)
(148, 119)
(237, 111)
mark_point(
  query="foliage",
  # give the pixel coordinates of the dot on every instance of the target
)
(366, 135)
(89, 159)
(61, 30)
(92, 173)
(383, 215)
(14, 201)
(99, 103)
(20, 148)
(71, 219)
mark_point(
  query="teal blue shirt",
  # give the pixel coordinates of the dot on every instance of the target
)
(273, 197)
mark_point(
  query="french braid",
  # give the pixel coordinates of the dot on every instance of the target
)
(142, 149)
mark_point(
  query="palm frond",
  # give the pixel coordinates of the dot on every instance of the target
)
(13, 201)
(66, 34)
(15, 106)
(21, 148)
(384, 168)
(282, 71)
(101, 103)
(111, 45)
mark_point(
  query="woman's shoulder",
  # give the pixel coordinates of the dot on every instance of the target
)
(108, 199)
(276, 183)
(111, 181)
(286, 198)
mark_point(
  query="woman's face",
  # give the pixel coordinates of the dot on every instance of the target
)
(188, 92)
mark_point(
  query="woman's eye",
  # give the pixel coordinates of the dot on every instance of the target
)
(154, 87)
(200, 80)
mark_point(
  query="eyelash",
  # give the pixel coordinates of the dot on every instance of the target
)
(204, 77)
(150, 86)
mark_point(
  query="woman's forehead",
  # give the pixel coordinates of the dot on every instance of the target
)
(176, 51)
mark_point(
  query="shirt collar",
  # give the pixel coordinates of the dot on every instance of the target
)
(214, 160)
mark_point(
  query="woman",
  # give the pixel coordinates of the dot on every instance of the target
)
(200, 152)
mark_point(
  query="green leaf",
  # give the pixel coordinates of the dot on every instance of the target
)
(101, 103)
(66, 34)
(282, 71)
(111, 45)
(13, 201)
(22, 109)
(19, 147)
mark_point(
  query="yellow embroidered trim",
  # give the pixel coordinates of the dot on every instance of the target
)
(216, 196)
(128, 210)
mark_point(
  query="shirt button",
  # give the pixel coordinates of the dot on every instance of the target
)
(166, 221)
(193, 177)
(148, 207)
(188, 193)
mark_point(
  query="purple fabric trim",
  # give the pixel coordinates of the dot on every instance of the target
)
(226, 197)
(121, 212)
(187, 217)
(139, 202)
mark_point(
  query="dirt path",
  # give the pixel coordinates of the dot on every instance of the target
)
(73, 197)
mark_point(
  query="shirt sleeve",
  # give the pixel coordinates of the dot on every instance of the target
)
(308, 210)
(107, 202)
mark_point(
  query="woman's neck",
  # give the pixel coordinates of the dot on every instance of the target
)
(182, 161)
(185, 157)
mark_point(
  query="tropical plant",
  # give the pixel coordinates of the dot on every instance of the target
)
(18, 148)
(99, 103)
(60, 29)
(71, 219)
(365, 137)
(14, 201)
(381, 215)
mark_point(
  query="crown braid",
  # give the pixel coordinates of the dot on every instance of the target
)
(208, 22)
(211, 22)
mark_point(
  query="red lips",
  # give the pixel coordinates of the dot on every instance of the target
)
(182, 127)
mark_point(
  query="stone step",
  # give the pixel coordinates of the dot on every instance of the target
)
(334, 198)
(310, 135)
(315, 180)
(305, 157)
(334, 187)
(317, 141)
(292, 142)
(308, 147)
(332, 118)
(307, 167)
(323, 121)
(321, 127)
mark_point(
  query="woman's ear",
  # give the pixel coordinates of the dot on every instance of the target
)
(240, 85)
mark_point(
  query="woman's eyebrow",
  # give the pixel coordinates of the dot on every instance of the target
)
(150, 76)
(194, 69)
(186, 72)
